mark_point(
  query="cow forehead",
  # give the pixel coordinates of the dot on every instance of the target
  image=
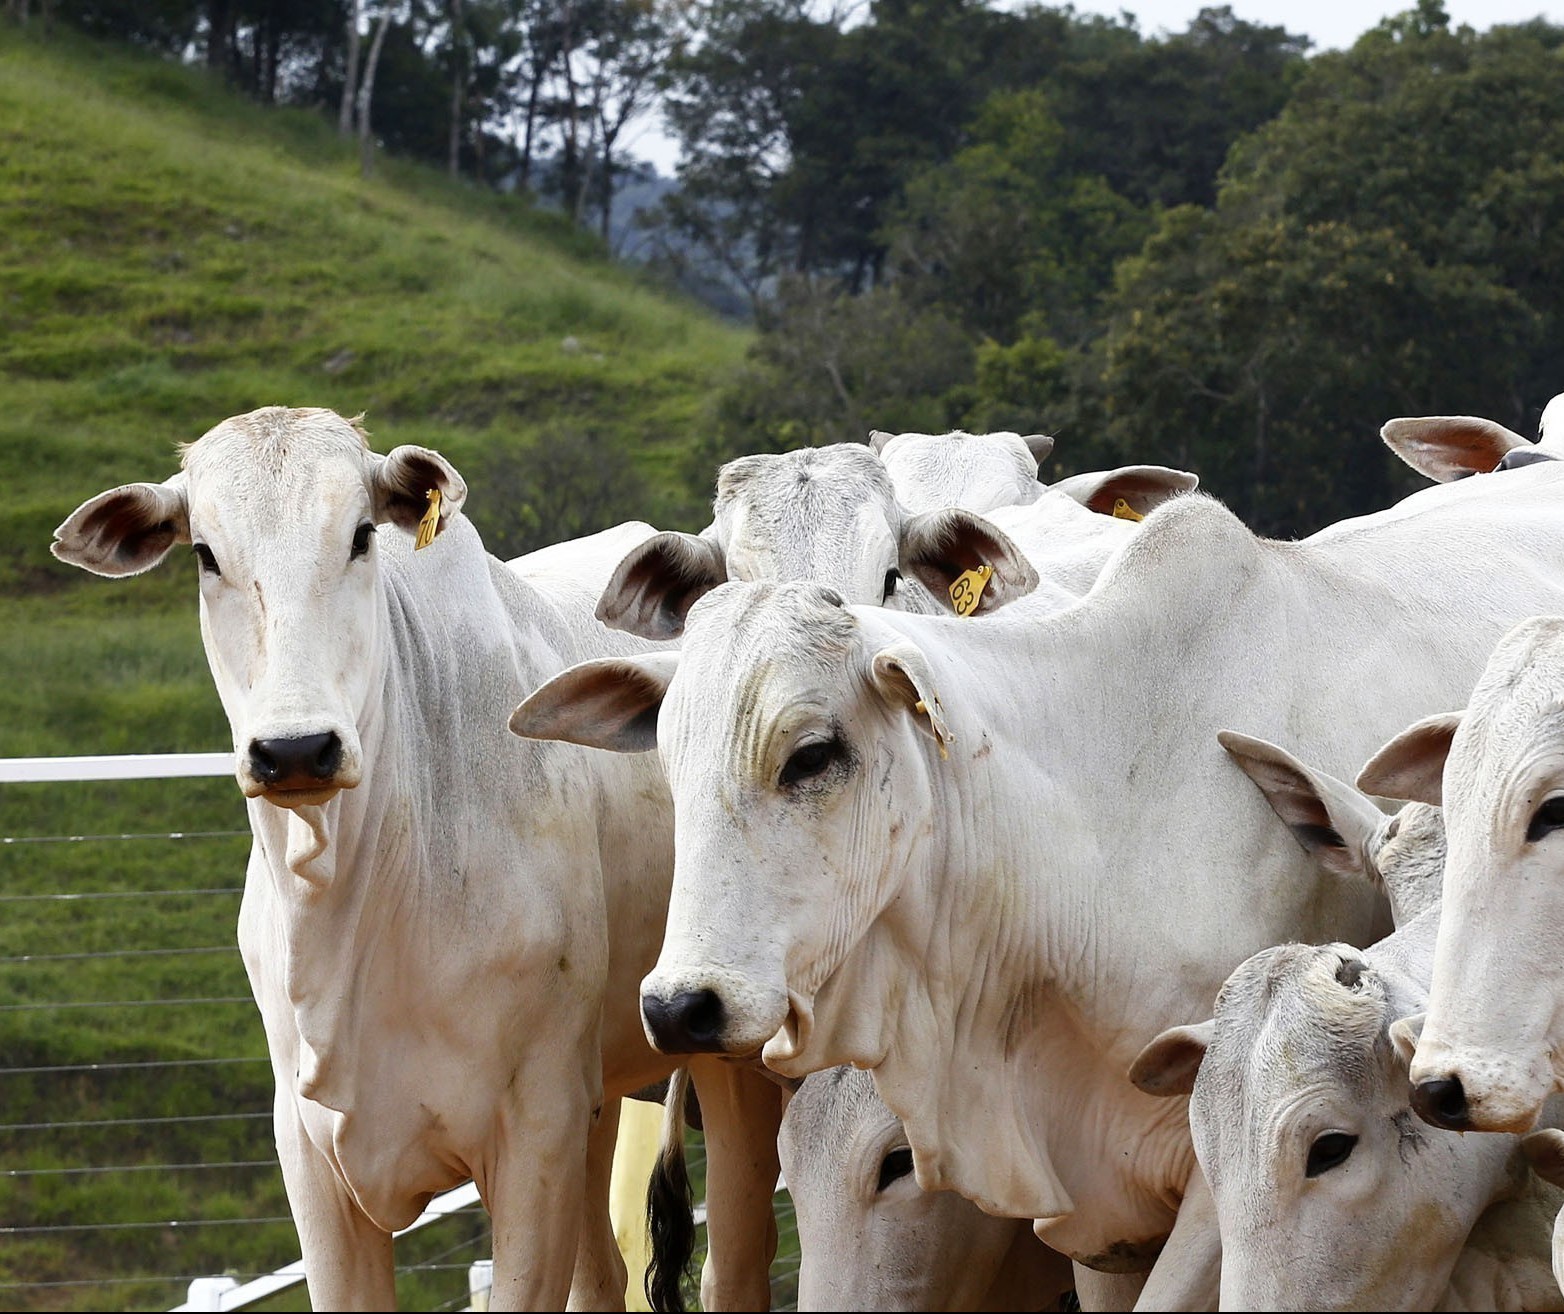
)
(1295, 1016)
(300, 456)
(1516, 704)
(752, 651)
(804, 484)
(832, 1111)
(932, 468)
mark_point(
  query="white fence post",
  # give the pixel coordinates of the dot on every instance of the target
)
(207, 1293)
(480, 1281)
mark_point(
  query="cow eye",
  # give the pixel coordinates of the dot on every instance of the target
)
(896, 1165)
(892, 579)
(810, 761)
(205, 557)
(361, 539)
(1549, 817)
(1329, 1151)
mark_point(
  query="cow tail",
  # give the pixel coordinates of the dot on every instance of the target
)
(670, 1213)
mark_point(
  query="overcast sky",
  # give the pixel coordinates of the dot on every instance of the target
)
(1330, 24)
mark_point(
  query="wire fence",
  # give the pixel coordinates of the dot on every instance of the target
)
(136, 1147)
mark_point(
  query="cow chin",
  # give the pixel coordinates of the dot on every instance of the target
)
(298, 798)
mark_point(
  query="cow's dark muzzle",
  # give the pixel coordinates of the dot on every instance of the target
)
(302, 763)
(689, 1023)
(1442, 1102)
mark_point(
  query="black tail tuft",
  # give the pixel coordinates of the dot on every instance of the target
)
(670, 1213)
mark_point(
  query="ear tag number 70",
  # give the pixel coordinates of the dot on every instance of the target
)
(966, 590)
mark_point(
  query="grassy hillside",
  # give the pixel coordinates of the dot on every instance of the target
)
(171, 255)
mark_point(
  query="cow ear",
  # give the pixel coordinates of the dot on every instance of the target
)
(1331, 820)
(126, 530)
(902, 676)
(1404, 1032)
(1544, 1151)
(653, 588)
(1041, 445)
(878, 438)
(1446, 447)
(938, 547)
(609, 703)
(1412, 765)
(1139, 487)
(1167, 1066)
(402, 481)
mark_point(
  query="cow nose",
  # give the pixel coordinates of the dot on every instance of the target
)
(304, 761)
(1443, 1103)
(689, 1023)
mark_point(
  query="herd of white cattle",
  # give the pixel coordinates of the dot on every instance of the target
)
(1018, 810)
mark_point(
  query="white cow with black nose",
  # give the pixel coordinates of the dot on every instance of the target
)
(1330, 1193)
(1491, 1049)
(444, 927)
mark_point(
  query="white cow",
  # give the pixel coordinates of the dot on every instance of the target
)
(871, 1239)
(1491, 1049)
(443, 928)
(841, 517)
(1330, 1194)
(1067, 530)
(929, 846)
(827, 514)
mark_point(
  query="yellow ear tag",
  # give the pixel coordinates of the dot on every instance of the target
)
(1122, 510)
(942, 734)
(967, 589)
(430, 523)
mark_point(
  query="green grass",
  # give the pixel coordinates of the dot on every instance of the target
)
(171, 255)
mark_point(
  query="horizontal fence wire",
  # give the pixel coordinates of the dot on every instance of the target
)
(128, 1003)
(17, 960)
(117, 894)
(127, 835)
(129, 1067)
(137, 1168)
(61, 1125)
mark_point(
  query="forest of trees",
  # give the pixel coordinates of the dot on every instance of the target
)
(1212, 249)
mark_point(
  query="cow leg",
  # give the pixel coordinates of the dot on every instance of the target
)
(533, 1179)
(1107, 1291)
(740, 1110)
(347, 1259)
(1188, 1272)
(599, 1281)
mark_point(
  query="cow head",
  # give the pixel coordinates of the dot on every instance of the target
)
(280, 508)
(1330, 1194)
(974, 471)
(824, 514)
(794, 733)
(871, 1237)
(1492, 1045)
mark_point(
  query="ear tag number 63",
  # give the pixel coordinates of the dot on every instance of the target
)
(966, 590)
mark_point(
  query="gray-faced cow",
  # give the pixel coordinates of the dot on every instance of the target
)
(1329, 1192)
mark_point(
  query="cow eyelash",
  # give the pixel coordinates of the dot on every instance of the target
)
(893, 577)
(896, 1165)
(204, 556)
(1329, 1151)
(810, 760)
(361, 537)
(1546, 819)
